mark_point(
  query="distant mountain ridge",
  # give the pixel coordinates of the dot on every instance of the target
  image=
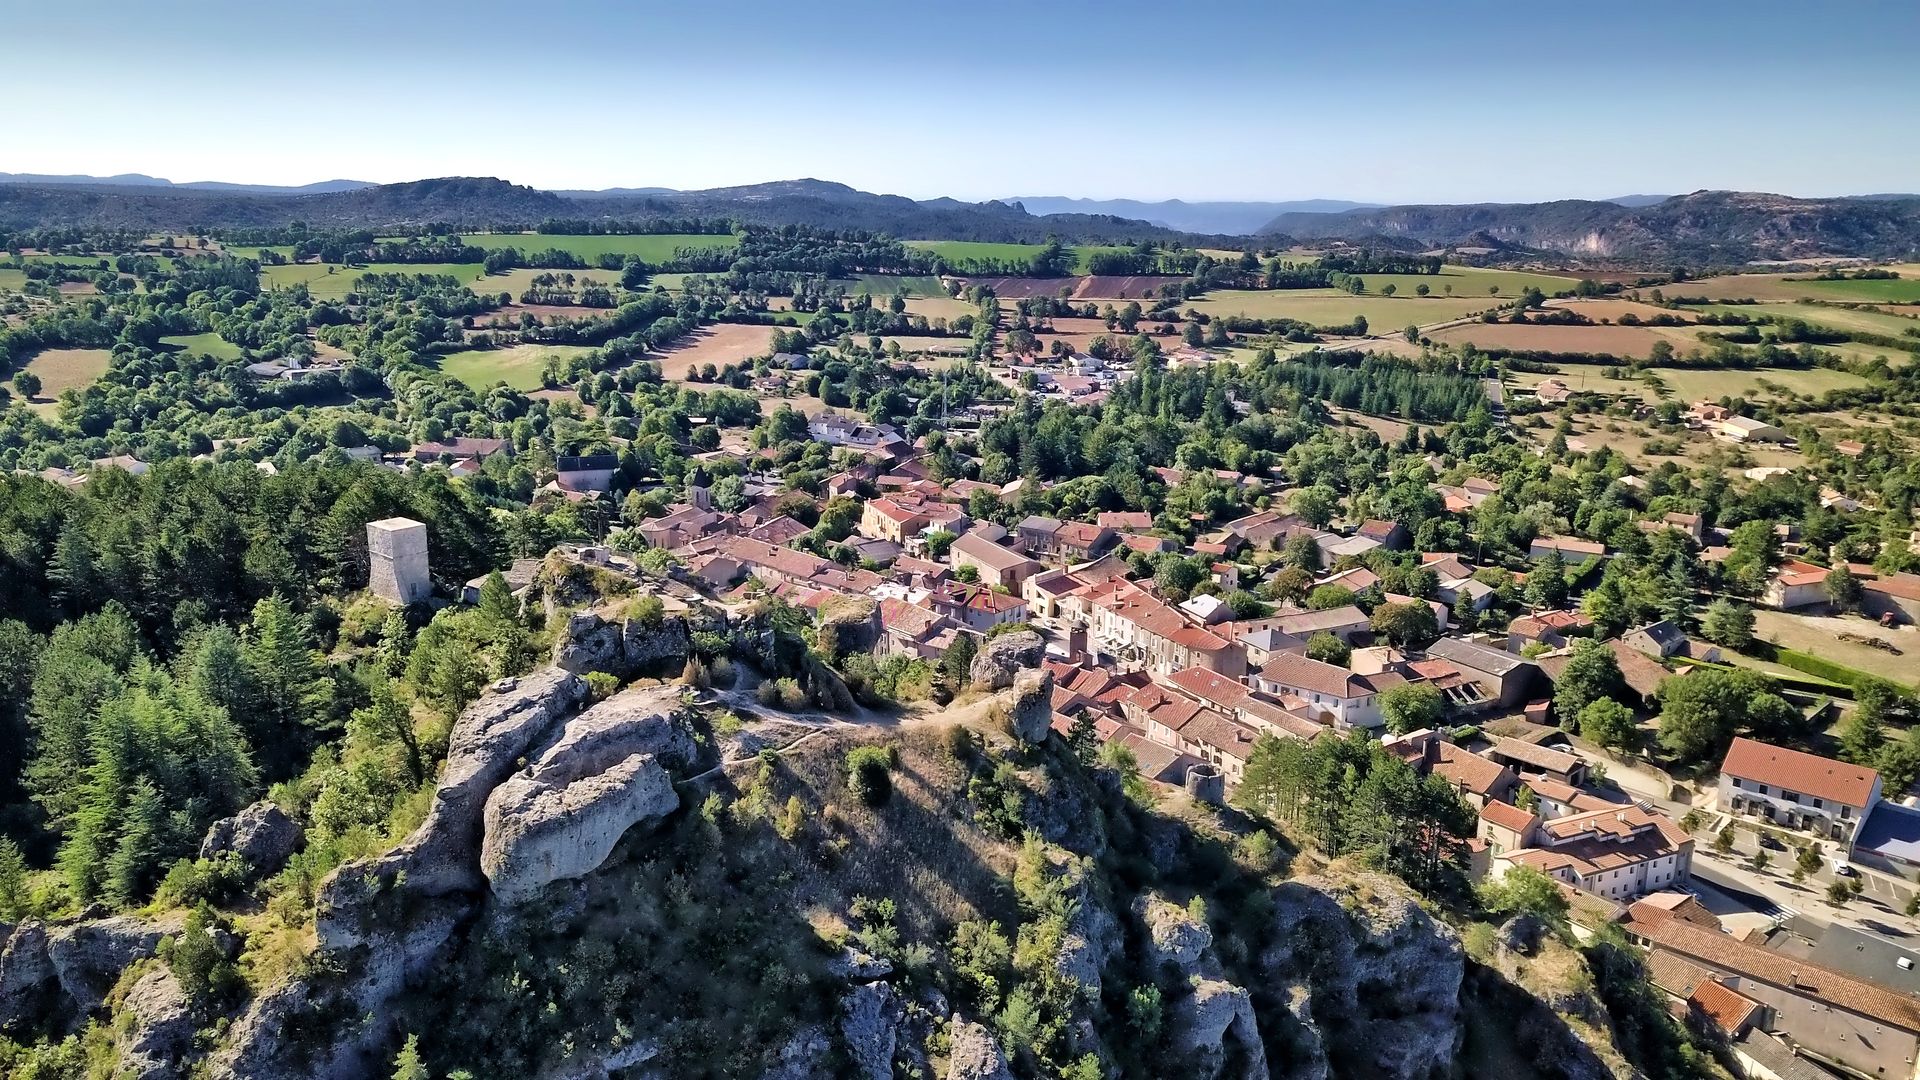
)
(1705, 227)
(1237, 218)
(482, 202)
(143, 180)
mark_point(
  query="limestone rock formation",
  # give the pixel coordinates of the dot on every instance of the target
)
(89, 956)
(870, 1016)
(604, 774)
(1004, 657)
(975, 1054)
(1030, 708)
(1384, 977)
(262, 834)
(848, 624)
(625, 649)
(26, 973)
(1177, 938)
(854, 964)
(1207, 1020)
(160, 1027)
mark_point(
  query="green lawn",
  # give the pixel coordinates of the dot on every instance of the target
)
(205, 344)
(1331, 307)
(654, 249)
(518, 367)
(13, 279)
(883, 285)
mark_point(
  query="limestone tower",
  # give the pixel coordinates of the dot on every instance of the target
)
(397, 560)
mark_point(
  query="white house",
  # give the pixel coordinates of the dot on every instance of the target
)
(1797, 790)
(1350, 699)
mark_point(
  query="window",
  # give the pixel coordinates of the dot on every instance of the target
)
(1817, 805)
(1846, 812)
(1790, 796)
(1762, 788)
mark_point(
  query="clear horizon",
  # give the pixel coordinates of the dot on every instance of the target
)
(1379, 103)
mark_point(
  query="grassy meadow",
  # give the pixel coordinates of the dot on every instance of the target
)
(980, 249)
(518, 367)
(205, 345)
(330, 281)
(1332, 307)
(649, 248)
(65, 369)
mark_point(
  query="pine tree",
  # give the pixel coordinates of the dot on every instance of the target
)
(395, 644)
(281, 659)
(407, 1064)
(496, 600)
(388, 721)
(1083, 738)
(130, 870)
(13, 881)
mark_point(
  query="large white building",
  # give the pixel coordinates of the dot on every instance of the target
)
(1618, 852)
(1796, 790)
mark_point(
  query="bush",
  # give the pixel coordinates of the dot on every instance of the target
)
(648, 611)
(600, 685)
(868, 776)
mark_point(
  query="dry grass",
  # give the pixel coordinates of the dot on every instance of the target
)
(1630, 342)
(65, 369)
(1818, 634)
(720, 344)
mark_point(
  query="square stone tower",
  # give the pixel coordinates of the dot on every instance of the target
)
(397, 560)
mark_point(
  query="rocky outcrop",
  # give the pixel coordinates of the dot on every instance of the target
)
(599, 777)
(1214, 1028)
(89, 956)
(606, 1063)
(848, 624)
(26, 974)
(626, 648)
(157, 1036)
(854, 964)
(1004, 657)
(975, 1055)
(1030, 705)
(1177, 938)
(442, 855)
(262, 835)
(1384, 978)
(870, 1016)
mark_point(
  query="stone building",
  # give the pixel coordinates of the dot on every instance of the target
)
(397, 560)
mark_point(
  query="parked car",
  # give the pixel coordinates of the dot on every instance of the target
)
(1841, 869)
(1767, 841)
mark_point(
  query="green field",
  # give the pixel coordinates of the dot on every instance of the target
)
(1470, 281)
(654, 249)
(62, 369)
(1331, 307)
(1850, 320)
(252, 251)
(980, 249)
(205, 344)
(518, 367)
(884, 285)
(515, 282)
(1688, 384)
(13, 279)
(1901, 290)
(328, 281)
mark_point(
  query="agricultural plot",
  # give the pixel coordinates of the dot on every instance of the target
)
(515, 282)
(1851, 320)
(1471, 281)
(1628, 342)
(940, 307)
(955, 250)
(1820, 635)
(1790, 287)
(1903, 290)
(205, 345)
(720, 344)
(1612, 310)
(1688, 384)
(880, 286)
(518, 367)
(64, 369)
(329, 281)
(656, 248)
(1331, 307)
(13, 279)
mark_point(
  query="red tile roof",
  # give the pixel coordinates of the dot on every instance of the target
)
(1508, 816)
(1726, 1009)
(1808, 774)
(1290, 669)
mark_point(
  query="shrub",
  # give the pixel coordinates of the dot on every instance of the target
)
(648, 611)
(600, 685)
(868, 776)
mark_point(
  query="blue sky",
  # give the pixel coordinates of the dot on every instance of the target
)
(1436, 101)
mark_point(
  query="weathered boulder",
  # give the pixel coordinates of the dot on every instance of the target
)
(262, 834)
(539, 832)
(847, 624)
(159, 1030)
(1004, 657)
(1206, 1021)
(26, 974)
(854, 964)
(1030, 705)
(89, 956)
(1521, 934)
(625, 649)
(870, 1016)
(975, 1055)
(442, 855)
(1384, 977)
(590, 643)
(1177, 937)
(599, 777)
